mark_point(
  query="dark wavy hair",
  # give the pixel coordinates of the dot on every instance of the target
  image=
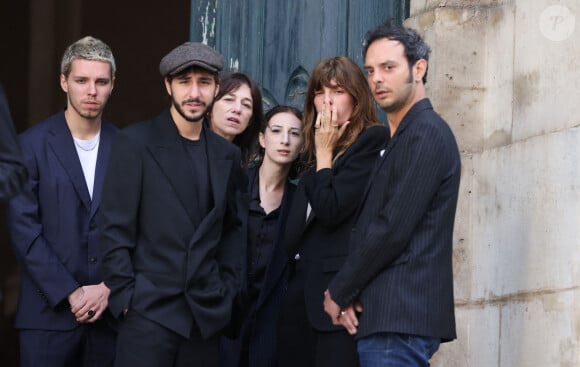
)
(415, 48)
(350, 77)
(247, 141)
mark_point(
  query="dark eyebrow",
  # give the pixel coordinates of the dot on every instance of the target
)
(383, 64)
(280, 127)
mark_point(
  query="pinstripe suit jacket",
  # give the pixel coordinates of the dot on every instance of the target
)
(400, 261)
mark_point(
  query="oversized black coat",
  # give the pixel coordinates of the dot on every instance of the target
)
(155, 260)
(12, 170)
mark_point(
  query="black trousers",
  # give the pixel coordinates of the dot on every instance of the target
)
(299, 343)
(145, 343)
(89, 345)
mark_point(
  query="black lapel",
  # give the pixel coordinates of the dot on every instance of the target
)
(170, 154)
(296, 221)
(410, 116)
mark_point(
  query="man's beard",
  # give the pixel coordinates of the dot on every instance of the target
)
(403, 96)
(87, 114)
(195, 118)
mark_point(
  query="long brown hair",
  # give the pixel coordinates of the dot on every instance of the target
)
(350, 77)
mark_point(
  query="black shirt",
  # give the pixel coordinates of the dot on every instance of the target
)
(261, 236)
(203, 199)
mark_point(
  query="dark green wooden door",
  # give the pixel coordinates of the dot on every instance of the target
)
(278, 42)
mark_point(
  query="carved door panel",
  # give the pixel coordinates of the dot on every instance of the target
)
(278, 42)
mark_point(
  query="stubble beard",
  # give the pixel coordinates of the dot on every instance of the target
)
(402, 98)
(391, 106)
(86, 114)
(190, 118)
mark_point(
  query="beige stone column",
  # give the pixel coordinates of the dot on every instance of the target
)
(505, 75)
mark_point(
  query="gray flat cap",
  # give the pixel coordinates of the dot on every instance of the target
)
(189, 54)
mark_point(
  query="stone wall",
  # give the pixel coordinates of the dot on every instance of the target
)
(505, 75)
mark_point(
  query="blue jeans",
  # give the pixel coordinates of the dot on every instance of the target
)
(396, 350)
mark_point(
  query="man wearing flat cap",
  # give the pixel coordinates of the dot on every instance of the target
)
(170, 228)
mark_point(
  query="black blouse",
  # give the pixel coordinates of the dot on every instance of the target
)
(261, 237)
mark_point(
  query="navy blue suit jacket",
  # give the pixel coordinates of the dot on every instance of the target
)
(52, 224)
(399, 264)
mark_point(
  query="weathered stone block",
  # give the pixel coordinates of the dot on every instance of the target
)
(541, 331)
(526, 219)
(478, 339)
(546, 67)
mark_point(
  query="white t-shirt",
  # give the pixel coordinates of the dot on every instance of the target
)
(87, 151)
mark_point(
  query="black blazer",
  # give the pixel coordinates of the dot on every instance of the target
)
(260, 321)
(52, 224)
(399, 265)
(154, 261)
(322, 238)
(12, 170)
